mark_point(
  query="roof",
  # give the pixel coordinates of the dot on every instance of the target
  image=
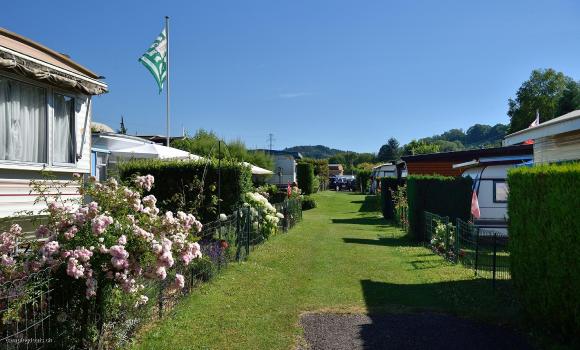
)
(565, 123)
(23, 56)
(470, 154)
(36, 50)
(337, 166)
(296, 155)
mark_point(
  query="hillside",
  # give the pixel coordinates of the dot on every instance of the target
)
(317, 152)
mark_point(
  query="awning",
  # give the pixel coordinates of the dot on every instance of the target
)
(256, 170)
(153, 151)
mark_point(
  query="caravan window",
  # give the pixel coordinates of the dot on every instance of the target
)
(64, 129)
(22, 122)
(500, 191)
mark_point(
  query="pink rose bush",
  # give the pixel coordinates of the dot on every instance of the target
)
(119, 238)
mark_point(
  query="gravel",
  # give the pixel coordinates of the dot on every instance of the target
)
(326, 331)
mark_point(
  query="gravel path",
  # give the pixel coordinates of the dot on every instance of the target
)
(327, 331)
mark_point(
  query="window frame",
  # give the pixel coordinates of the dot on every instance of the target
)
(49, 91)
(56, 91)
(495, 200)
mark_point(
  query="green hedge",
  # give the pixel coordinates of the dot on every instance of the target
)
(445, 196)
(389, 185)
(305, 177)
(178, 184)
(363, 177)
(308, 203)
(544, 229)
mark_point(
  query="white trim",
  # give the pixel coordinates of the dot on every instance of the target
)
(565, 123)
(52, 66)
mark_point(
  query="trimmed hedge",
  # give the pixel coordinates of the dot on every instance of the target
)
(441, 195)
(544, 229)
(308, 203)
(305, 177)
(363, 178)
(389, 185)
(178, 184)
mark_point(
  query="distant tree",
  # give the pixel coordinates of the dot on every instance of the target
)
(477, 134)
(449, 146)
(420, 147)
(542, 91)
(122, 129)
(207, 144)
(389, 151)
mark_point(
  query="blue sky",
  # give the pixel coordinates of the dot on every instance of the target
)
(346, 74)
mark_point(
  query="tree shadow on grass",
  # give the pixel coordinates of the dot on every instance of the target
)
(408, 316)
(380, 241)
(363, 220)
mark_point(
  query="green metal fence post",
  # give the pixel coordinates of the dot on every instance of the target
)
(494, 256)
(476, 249)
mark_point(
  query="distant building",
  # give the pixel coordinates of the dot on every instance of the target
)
(284, 166)
(557, 140)
(335, 170)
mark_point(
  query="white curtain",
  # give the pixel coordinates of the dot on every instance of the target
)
(22, 122)
(64, 150)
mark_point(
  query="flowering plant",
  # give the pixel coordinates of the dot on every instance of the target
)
(118, 238)
(264, 215)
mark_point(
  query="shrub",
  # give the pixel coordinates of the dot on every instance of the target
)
(264, 215)
(315, 184)
(389, 185)
(320, 171)
(544, 243)
(308, 203)
(305, 177)
(103, 252)
(444, 196)
(363, 177)
(191, 186)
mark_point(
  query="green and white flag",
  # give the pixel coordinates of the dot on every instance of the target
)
(155, 59)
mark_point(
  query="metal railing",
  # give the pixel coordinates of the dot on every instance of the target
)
(485, 251)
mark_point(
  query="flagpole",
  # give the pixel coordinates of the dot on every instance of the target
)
(167, 78)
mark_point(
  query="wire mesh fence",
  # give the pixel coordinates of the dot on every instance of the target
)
(42, 311)
(485, 251)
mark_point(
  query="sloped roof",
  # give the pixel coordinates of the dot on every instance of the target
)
(23, 56)
(565, 123)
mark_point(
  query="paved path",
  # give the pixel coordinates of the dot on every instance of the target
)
(404, 331)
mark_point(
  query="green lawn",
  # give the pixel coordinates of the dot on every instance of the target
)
(344, 258)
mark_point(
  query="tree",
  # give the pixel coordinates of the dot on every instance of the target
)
(542, 92)
(389, 151)
(570, 100)
(420, 147)
(122, 130)
(477, 134)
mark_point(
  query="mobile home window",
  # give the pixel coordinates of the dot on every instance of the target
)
(500, 191)
(64, 129)
(22, 122)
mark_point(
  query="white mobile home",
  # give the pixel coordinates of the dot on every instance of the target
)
(284, 167)
(557, 140)
(489, 175)
(45, 117)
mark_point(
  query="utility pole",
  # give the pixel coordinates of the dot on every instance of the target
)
(271, 140)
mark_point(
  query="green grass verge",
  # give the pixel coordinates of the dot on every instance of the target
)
(343, 257)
